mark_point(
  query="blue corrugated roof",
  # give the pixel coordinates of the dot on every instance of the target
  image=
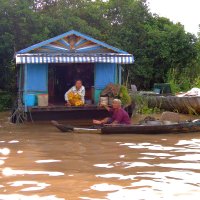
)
(72, 32)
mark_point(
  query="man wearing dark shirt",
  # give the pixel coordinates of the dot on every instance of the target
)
(119, 115)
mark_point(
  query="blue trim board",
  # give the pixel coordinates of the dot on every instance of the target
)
(72, 32)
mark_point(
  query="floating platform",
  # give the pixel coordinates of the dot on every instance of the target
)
(60, 112)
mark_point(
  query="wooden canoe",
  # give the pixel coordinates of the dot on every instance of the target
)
(186, 104)
(184, 127)
(69, 128)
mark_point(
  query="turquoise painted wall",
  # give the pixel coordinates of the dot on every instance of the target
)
(35, 79)
(105, 73)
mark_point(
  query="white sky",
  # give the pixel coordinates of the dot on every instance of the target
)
(187, 12)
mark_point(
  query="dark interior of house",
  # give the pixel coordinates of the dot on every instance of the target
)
(61, 77)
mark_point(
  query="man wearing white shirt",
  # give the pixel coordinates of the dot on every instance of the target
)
(77, 89)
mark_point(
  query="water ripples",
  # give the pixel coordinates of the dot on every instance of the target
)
(56, 166)
(179, 182)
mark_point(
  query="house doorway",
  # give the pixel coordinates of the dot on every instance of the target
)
(63, 76)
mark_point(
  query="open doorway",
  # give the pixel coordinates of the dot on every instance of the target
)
(63, 76)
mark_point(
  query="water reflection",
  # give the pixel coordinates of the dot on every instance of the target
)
(106, 165)
(180, 165)
(190, 143)
(172, 185)
(147, 193)
(187, 157)
(105, 187)
(177, 185)
(117, 176)
(4, 151)
(47, 161)
(150, 146)
(13, 141)
(158, 154)
(31, 197)
(12, 172)
(37, 162)
(2, 162)
(38, 186)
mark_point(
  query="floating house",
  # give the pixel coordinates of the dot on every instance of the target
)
(51, 67)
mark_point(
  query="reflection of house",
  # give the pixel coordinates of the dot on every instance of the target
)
(52, 66)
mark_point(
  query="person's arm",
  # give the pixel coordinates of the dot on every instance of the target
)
(66, 95)
(115, 122)
(83, 94)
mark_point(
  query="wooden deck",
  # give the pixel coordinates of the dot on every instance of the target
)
(64, 108)
(60, 112)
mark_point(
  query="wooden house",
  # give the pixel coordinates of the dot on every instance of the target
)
(52, 66)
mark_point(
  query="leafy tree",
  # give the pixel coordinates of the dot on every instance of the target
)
(159, 46)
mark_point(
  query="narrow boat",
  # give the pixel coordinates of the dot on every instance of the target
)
(185, 104)
(152, 128)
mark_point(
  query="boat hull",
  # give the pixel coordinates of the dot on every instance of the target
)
(153, 129)
(66, 113)
(186, 127)
(186, 104)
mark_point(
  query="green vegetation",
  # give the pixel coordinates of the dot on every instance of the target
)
(124, 96)
(142, 106)
(183, 80)
(163, 50)
(5, 101)
(196, 82)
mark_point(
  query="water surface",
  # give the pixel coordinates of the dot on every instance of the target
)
(38, 162)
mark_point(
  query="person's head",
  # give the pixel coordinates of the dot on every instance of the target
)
(78, 84)
(116, 104)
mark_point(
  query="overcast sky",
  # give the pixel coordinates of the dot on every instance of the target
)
(185, 11)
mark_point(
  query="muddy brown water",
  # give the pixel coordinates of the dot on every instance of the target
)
(38, 162)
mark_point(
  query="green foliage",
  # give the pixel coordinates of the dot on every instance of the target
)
(158, 44)
(124, 96)
(142, 106)
(184, 80)
(196, 82)
(5, 101)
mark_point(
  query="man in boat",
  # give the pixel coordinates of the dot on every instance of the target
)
(119, 115)
(75, 96)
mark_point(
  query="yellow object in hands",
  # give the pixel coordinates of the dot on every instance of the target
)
(75, 99)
